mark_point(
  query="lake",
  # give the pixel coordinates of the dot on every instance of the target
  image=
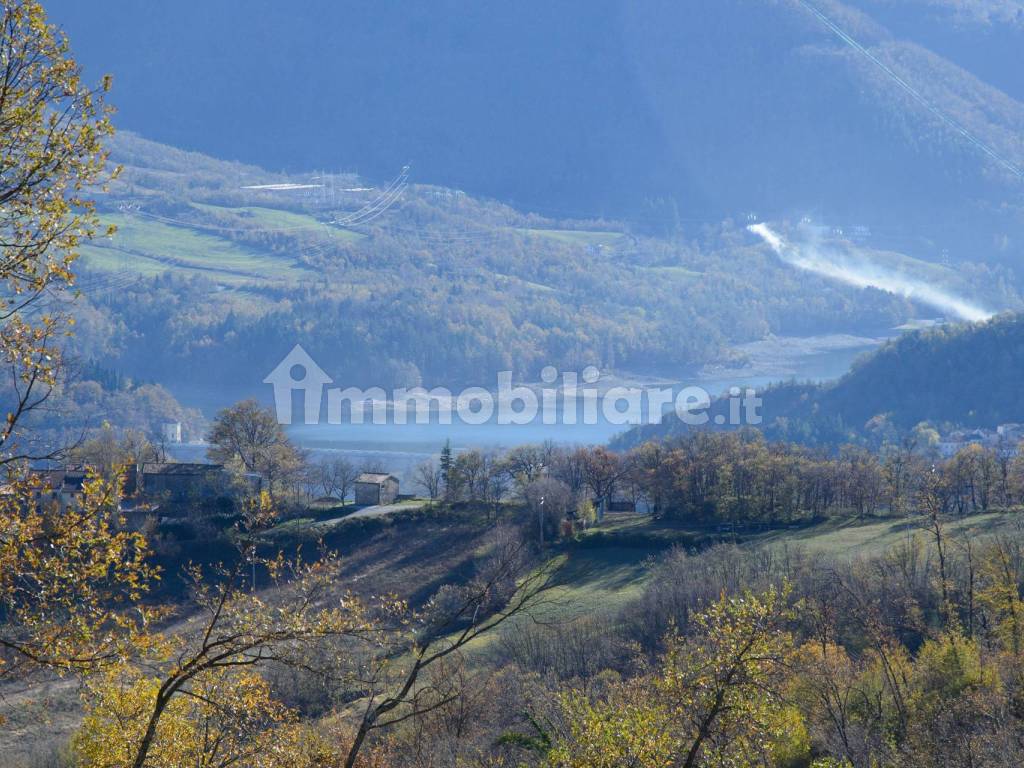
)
(399, 447)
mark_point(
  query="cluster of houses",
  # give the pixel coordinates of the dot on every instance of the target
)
(171, 486)
(1008, 436)
(151, 483)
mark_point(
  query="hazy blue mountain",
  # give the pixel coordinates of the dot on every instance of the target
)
(667, 112)
(985, 37)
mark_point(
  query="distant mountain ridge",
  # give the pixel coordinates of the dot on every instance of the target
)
(675, 114)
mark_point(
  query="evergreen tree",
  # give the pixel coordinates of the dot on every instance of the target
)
(446, 466)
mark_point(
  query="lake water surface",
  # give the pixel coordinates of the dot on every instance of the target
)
(398, 447)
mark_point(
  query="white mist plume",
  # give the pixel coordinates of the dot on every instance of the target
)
(862, 273)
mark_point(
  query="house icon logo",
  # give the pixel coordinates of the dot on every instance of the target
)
(287, 378)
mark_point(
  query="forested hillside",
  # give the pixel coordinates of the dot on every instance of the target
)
(208, 283)
(964, 375)
(961, 374)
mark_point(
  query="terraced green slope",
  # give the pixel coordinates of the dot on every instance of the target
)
(149, 246)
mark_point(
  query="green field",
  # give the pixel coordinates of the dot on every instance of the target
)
(282, 221)
(108, 259)
(846, 536)
(918, 268)
(528, 284)
(149, 247)
(851, 538)
(610, 565)
(598, 580)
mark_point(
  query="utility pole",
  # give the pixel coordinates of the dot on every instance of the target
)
(540, 515)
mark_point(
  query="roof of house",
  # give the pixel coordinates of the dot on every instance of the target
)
(65, 477)
(376, 478)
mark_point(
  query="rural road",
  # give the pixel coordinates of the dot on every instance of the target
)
(378, 510)
(383, 509)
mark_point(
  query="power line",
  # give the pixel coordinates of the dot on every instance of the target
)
(917, 95)
(377, 207)
(366, 213)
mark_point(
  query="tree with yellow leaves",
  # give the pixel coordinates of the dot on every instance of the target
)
(70, 580)
(52, 128)
(715, 701)
(224, 719)
(194, 696)
(1000, 573)
(724, 679)
(627, 729)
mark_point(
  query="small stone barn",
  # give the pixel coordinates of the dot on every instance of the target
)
(376, 488)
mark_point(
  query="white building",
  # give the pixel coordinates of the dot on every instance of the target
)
(171, 431)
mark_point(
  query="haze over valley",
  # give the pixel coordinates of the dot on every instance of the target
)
(536, 384)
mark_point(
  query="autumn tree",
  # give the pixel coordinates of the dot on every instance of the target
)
(863, 479)
(226, 718)
(932, 501)
(569, 466)
(70, 579)
(1001, 572)
(249, 438)
(959, 714)
(549, 502)
(195, 696)
(52, 127)
(602, 471)
(900, 466)
(109, 451)
(724, 680)
(470, 473)
(716, 699)
(335, 477)
(629, 729)
(429, 478)
(525, 463)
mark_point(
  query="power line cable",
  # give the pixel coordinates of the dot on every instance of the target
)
(917, 95)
